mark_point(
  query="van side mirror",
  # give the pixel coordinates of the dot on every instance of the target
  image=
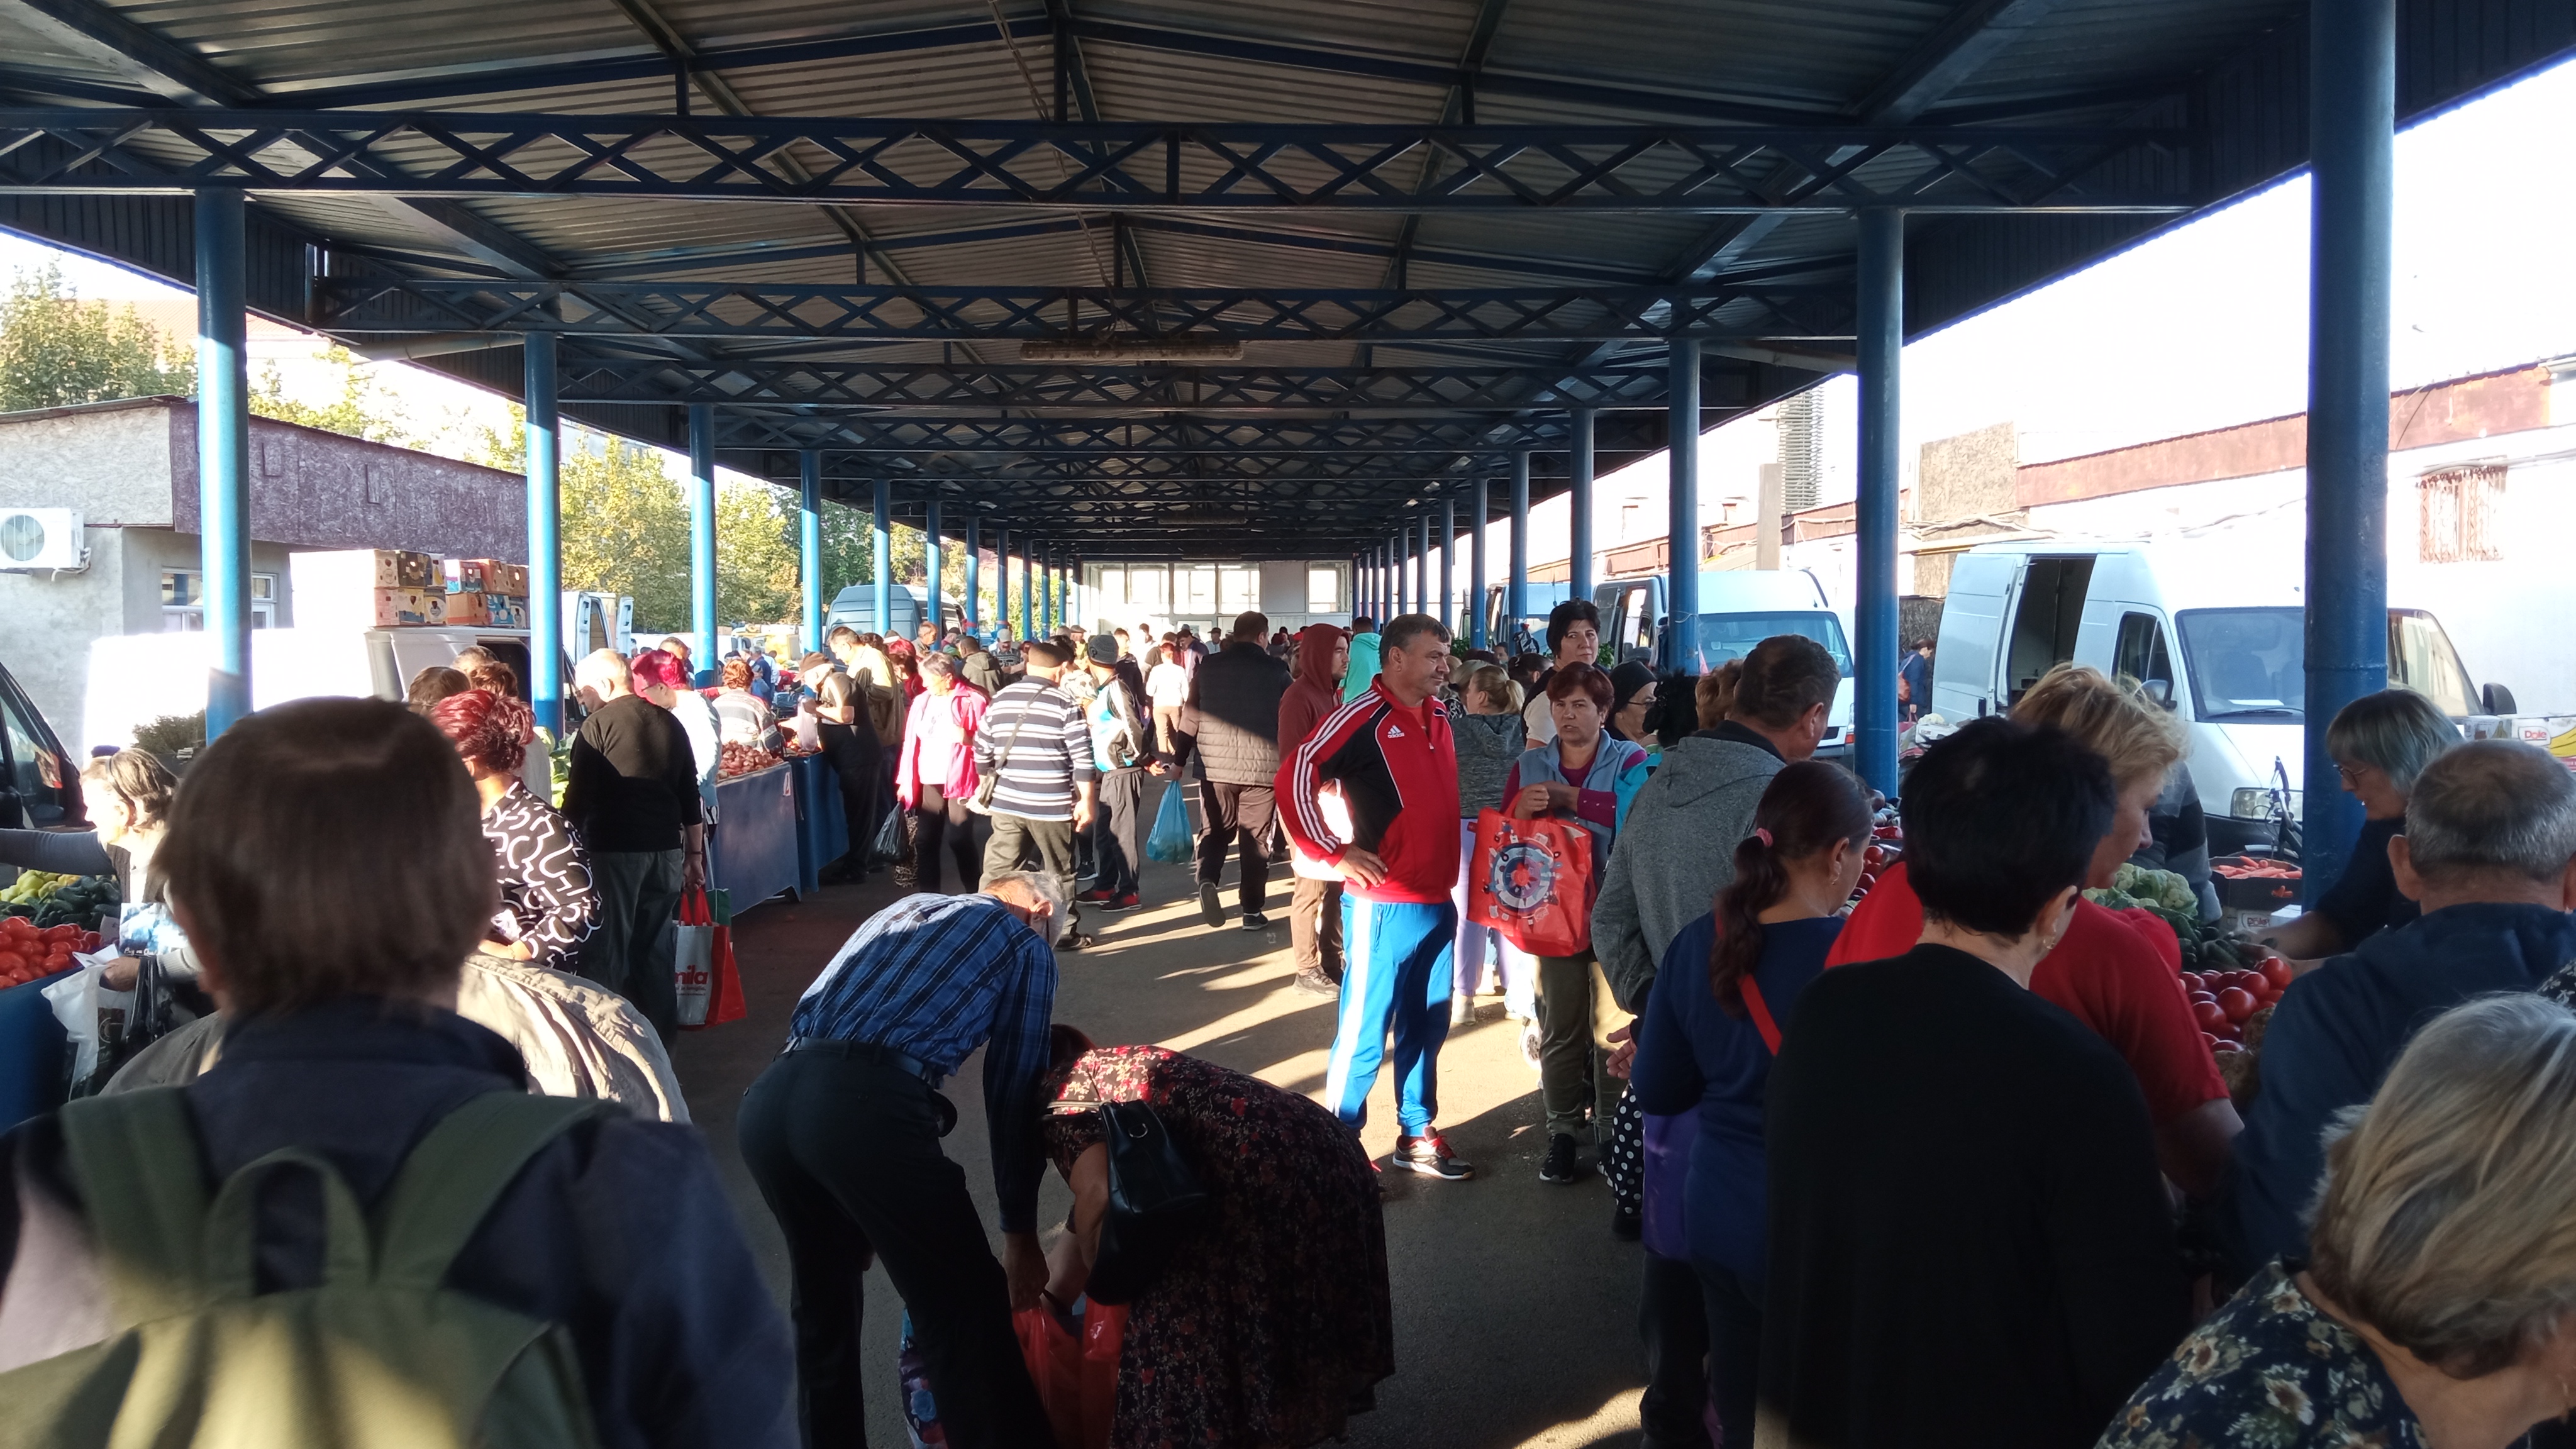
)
(2497, 699)
(2159, 690)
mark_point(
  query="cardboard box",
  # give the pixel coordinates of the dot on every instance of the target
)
(397, 568)
(399, 606)
(467, 609)
(514, 581)
(507, 612)
(465, 575)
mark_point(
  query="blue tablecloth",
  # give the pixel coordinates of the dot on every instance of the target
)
(822, 826)
(755, 851)
(31, 1051)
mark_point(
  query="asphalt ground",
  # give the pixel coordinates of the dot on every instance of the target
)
(1515, 1309)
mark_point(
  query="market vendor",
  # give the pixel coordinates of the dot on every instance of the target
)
(2380, 744)
(127, 798)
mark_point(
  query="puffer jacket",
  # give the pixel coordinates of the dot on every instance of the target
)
(1487, 745)
(1233, 714)
(1668, 863)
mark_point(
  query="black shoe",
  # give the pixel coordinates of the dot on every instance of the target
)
(1429, 1155)
(1626, 1224)
(1211, 910)
(1316, 983)
(1077, 941)
(1564, 1161)
(1255, 921)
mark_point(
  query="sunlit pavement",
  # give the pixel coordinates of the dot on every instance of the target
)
(1515, 1309)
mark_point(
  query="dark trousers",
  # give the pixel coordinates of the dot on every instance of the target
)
(1118, 832)
(859, 763)
(1734, 1310)
(1315, 927)
(1237, 813)
(1672, 1323)
(1020, 843)
(847, 1156)
(630, 951)
(939, 819)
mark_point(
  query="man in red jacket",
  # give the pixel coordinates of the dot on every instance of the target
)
(1387, 755)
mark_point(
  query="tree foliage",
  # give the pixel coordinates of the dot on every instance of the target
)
(625, 522)
(56, 349)
(363, 409)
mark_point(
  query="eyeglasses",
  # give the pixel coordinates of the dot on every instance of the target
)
(2352, 773)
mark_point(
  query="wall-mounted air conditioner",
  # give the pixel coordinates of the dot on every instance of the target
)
(41, 538)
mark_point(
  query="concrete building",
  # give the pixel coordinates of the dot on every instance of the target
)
(129, 470)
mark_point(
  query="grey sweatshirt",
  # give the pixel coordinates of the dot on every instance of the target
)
(1486, 744)
(1674, 854)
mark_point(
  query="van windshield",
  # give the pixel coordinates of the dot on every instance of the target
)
(1732, 636)
(2245, 663)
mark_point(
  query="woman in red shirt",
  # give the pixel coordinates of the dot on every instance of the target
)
(2118, 975)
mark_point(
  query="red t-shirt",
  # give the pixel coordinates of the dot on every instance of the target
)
(2103, 971)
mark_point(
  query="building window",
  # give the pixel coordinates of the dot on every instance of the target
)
(1323, 589)
(183, 601)
(1238, 588)
(2456, 514)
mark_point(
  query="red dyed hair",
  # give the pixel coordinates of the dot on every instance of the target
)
(657, 667)
(493, 730)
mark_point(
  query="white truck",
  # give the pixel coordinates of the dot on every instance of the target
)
(1738, 608)
(2221, 639)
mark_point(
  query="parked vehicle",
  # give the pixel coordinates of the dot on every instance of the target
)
(2223, 645)
(1528, 633)
(39, 779)
(1738, 608)
(856, 606)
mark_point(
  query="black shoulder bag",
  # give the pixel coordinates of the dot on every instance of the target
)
(1155, 1203)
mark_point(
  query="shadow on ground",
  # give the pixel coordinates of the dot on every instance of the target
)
(1515, 1309)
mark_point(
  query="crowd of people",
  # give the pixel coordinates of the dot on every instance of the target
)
(1951, 1164)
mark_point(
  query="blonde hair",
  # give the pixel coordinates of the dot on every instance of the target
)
(138, 778)
(1490, 681)
(2447, 1220)
(2139, 739)
(1714, 696)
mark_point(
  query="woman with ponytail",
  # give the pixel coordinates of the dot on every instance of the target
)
(1712, 1024)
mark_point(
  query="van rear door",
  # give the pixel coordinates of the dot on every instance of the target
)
(1963, 665)
(2047, 614)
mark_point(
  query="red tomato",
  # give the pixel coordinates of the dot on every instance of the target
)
(2191, 981)
(17, 925)
(2277, 971)
(2210, 1015)
(2209, 1041)
(2238, 1003)
(61, 933)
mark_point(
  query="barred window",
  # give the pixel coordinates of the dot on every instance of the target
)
(2457, 510)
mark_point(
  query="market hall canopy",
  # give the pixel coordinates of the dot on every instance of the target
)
(1143, 278)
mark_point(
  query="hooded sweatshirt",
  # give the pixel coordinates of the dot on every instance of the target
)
(1675, 851)
(1363, 666)
(1487, 745)
(1314, 692)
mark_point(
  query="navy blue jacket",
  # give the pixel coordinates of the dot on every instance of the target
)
(1692, 1055)
(619, 1230)
(2339, 1028)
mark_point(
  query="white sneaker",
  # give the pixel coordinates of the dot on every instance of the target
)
(1462, 1009)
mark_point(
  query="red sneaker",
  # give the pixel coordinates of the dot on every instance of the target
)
(1096, 898)
(1127, 902)
(1430, 1155)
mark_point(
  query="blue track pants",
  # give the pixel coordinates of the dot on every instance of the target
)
(1396, 980)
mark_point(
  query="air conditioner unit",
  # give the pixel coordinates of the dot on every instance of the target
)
(41, 538)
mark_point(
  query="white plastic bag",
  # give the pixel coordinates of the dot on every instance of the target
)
(693, 955)
(93, 1015)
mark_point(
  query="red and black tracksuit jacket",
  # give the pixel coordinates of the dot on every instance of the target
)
(1399, 776)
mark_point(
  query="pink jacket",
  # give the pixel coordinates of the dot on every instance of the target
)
(947, 723)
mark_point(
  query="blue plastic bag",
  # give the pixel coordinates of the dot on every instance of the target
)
(1170, 842)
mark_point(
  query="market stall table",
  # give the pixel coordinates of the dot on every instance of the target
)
(822, 826)
(753, 852)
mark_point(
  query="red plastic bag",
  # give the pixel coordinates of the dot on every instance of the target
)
(1532, 881)
(1104, 1335)
(1054, 1356)
(724, 988)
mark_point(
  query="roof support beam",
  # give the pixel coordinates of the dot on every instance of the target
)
(1958, 48)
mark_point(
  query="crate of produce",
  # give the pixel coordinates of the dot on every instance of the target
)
(2254, 884)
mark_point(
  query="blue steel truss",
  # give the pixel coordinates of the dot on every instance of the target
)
(1100, 165)
(1249, 436)
(1120, 390)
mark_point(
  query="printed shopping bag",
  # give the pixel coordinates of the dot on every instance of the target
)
(725, 1002)
(1532, 881)
(921, 1427)
(1170, 843)
(693, 954)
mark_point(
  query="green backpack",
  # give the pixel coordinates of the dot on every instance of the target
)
(378, 1356)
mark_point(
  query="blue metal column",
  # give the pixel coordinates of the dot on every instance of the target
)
(1476, 564)
(1519, 591)
(223, 456)
(972, 607)
(809, 542)
(544, 460)
(1048, 622)
(931, 563)
(702, 531)
(881, 556)
(1882, 358)
(2352, 69)
(1399, 550)
(1422, 571)
(1001, 579)
(1448, 555)
(1578, 464)
(1681, 592)
(1027, 588)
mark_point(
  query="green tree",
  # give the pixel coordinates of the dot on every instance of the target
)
(625, 521)
(56, 349)
(363, 409)
(756, 566)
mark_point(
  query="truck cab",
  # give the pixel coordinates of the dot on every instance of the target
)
(2221, 642)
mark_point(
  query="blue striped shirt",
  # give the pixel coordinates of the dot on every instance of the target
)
(935, 977)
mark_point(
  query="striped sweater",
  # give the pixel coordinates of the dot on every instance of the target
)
(1037, 745)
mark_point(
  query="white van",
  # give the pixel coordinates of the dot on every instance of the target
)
(1738, 608)
(2222, 639)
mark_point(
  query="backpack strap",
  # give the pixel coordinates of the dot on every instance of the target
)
(449, 1183)
(232, 1226)
(142, 1181)
(1760, 1011)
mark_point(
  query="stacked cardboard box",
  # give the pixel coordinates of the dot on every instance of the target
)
(395, 607)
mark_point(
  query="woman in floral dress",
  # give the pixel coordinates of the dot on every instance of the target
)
(1274, 1320)
(2440, 1311)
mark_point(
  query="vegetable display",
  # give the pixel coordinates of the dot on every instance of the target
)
(742, 759)
(2205, 947)
(50, 898)
(29, 951)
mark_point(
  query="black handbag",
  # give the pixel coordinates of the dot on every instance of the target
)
(1155, 1203)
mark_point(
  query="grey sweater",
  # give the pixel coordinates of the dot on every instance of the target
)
(1674, 854)
(1486, 744)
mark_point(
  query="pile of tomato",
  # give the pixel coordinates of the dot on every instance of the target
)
(2222, 1001)
(28, 951)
